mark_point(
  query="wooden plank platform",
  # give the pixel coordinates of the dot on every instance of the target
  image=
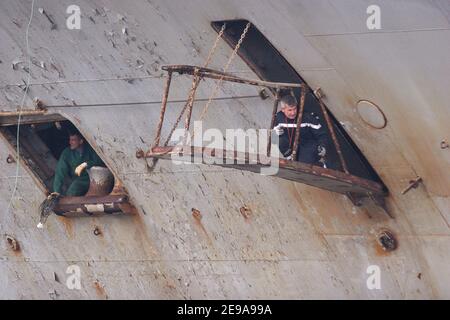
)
(316, 176)
(93, 205)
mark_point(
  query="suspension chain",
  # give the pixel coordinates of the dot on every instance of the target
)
(195, 84)
(214, 47)
(218, 82)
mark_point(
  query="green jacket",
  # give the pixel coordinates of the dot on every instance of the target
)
(69, 160)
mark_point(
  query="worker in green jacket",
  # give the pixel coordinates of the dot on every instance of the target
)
(72, 163)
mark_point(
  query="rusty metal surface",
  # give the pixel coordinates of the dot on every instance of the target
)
(301, 109)
(101, 181)
(9, 118)
(90, 204)
(272, 120)
(298, 242)
(163, 109)
(190, 104)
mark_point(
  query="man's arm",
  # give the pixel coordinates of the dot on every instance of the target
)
(62, 170)
(93, 160)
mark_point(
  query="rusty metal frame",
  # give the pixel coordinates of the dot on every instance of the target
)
(272, 121)
(333, 135)
(9, 118)
(199, 73)
(190, 103)
(163, 108)
(216, 74)
(292, 170)
(301, 109)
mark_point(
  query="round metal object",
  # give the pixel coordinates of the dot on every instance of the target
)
(10, 159)
(140, 154)
(263, 94)
(12, 242)
(101, 181)
(387, 240)
(97, 231)
(371, 114)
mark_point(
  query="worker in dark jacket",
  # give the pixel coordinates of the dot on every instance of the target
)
(72, 163)
(313, 135)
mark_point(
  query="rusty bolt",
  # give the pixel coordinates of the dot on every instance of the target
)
(196, 214)
(387, 240)
(444, 144)
(263, 94)
(12, 242)
(38, 104)
(140, 154)
(412, 184)
(10, 159)
(97, 231)
(245, 212)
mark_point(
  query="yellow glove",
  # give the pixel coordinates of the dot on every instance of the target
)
(80, 168)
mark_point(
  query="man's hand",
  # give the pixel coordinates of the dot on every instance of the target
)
(321, 151)
(80, 168)
(278, 130)
(288, 154)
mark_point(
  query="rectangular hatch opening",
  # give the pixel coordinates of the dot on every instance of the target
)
(42, 141)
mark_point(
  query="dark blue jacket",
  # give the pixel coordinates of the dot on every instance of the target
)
(312, 134)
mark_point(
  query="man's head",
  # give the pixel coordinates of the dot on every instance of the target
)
(289, 106)
(75, 140)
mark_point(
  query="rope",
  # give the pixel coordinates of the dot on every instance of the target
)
(159, 76)
(21, 107)
(70, 106)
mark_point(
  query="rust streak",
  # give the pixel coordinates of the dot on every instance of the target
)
(197, 218)
(68, 226)
(246, 212)
(100, 290)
